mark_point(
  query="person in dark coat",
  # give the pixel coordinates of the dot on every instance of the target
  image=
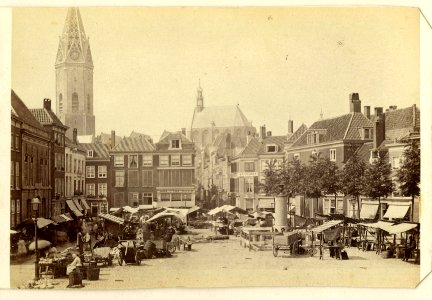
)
(410, 246)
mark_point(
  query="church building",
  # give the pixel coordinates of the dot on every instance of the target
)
(74, 77)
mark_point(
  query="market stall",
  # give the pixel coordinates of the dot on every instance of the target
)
(329, 234)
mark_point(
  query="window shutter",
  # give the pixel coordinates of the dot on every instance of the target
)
(232, 185)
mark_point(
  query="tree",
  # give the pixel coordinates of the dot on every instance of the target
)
(271, 183)
(409, 172)
(352, 178)
(314, 173)
(331, 178)
(377, 180)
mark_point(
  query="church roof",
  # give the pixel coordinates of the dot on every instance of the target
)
(74, 45)
(220, 116)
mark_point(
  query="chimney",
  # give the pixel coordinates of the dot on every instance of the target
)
(379, 127)
(366, 111)
(290, 126)
(47, 104)
(74, 136)
(355, 103)
(392, 107)
(248, 138)
(113, 139)
(263, 132)
(183, 130)
(269, 133)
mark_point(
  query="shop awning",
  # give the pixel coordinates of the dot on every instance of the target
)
(85, 204)
(42, 222)
(112, 218)
(368, 211)
(73, 208)
(75, 201)
(193, 209)
(402, 227)
(396, 211)
(67, 215)
(60, 219)
(326, 226)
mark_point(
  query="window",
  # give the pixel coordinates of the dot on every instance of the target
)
(12, 175)
(175, 178)
(18, 210)
(396, 162)
(163, 160)
(104, 207)
(147, 160)
(187, 177)
(75, 103)
(119, 178)
(102, 171)
(367, 134)
(17, 142)
(249, 185)
(12, 141)
(233, 167)
(332, 206)
(147, 198)
(118, 161)
(60, 103)
(176, 197)
(175, 144)
(187, 197)
(333, 154)
(133, 178)
(17, 175)
(271, 148)
(102, 189)
(249, 167)
(90, 188)
(89, 153)
(147, 178)
(13, 212)
(90, 171)
(133, 199)
(118, 199)
(187, 160)
(133, 161)
(175, 160)
(165, 197)
(312, 138)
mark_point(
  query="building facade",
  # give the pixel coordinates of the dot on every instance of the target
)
(174, 164)
(74, 76)
(98, 175)
(57, 132)
(30, 163)
(133, 174)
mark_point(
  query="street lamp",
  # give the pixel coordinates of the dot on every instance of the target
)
(35, 206)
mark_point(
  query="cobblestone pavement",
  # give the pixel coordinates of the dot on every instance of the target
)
(226, 263)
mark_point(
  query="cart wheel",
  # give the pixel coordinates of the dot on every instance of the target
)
(312, 251)
(275, 251)
(137, 259)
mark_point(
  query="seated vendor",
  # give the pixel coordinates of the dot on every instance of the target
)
(51, 252)
(74, 264)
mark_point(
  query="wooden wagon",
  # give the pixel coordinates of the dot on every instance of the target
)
(287, 242)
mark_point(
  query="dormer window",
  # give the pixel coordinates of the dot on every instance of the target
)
(175, 144)
(366, 133)
(89, 153)
(313, 138)
(271, 148)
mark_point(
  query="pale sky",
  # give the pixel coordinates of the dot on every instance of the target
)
(275, 63)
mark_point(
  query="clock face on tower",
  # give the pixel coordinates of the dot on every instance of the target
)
(74, 55)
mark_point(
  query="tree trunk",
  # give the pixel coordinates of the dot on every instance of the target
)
(358, 207)
(379, 208)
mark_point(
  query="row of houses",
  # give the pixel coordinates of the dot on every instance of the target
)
(238, 170)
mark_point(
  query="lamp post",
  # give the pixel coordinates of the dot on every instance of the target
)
(35, 206)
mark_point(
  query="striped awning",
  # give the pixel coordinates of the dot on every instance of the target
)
(77, 204)
(112, 218)
(85, 204)
(326, 226)
(73, 208)
(396, 211)
(368, 211)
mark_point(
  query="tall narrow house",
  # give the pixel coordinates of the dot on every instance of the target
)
(74, 77)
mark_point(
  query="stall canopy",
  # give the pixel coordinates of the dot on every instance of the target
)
(193, 209)
(85, 204)
(73, 208)
(163, 214)
(60, 219)
(42, 222)
(77, 204)
(129, 209)
(380, 225)
(332, 234)
(114, 209)
(112, 218)
(396, 211)
(402, 227)
(368, 211)
(227, 208)
(326, 226)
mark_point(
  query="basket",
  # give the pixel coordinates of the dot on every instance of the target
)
(93, 274)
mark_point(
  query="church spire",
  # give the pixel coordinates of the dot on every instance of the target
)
(200, 99)
(74, 45)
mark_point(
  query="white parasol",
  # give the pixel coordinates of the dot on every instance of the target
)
(42, 244)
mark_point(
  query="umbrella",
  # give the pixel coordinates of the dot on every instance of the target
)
(13, 231)
(41, 245)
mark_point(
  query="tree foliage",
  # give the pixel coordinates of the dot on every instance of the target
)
(271, 183)
(352, 178)
(409, 171)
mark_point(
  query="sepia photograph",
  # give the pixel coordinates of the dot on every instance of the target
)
(201, 147)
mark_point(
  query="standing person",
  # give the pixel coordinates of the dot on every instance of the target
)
(411, 245)
(80, 243)
(72, 267)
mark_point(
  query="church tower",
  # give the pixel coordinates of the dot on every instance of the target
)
(74, 77)
(200, 99)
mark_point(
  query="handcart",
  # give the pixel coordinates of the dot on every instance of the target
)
(286, 242)
(131, 252)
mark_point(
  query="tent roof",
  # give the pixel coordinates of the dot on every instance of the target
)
(326, 226)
